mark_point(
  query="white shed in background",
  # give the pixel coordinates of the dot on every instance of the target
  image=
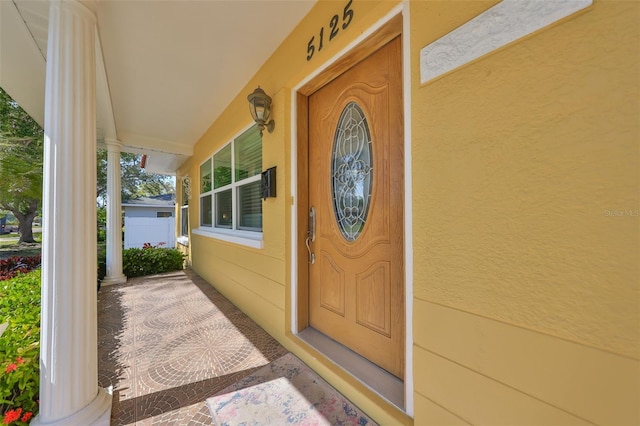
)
(150, 220)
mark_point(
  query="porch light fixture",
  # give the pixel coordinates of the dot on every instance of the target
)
(260, 108)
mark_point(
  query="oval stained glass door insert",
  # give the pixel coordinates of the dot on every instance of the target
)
(351, 171)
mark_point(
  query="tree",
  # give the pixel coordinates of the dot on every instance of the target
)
(135, 181)
(21, 159)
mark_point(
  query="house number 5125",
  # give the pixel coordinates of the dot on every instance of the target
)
(334, 28)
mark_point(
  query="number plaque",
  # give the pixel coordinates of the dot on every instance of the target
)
(335, 25)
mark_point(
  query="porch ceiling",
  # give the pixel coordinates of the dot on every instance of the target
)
(165, 69)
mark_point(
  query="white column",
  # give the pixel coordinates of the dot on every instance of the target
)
(114, 216)
(69, 392)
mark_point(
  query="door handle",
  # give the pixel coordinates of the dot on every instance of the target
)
(311, 234)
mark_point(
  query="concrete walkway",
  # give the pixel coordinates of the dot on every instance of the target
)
(168, 342)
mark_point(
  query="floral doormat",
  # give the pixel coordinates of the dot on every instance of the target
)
(284, 392)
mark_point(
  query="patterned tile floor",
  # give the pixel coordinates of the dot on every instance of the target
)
(168, 342)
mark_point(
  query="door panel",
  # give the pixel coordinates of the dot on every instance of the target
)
(373, 298)
(356, 284)
(332, 296)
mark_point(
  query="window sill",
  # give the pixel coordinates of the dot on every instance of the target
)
(245, 238)
(183, 241)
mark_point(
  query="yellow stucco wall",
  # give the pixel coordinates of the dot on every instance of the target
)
(526, 280)
(527, 292)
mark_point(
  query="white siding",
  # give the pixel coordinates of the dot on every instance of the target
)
(145, 211)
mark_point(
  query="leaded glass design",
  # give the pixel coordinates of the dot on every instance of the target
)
(351, 171)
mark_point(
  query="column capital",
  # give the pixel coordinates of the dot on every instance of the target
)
(113, 144)
(76, 7)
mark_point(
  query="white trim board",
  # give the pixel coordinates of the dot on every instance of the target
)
(507, 21)
(408, 211)
(244, 238)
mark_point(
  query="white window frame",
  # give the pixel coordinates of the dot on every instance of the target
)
(208, 193)
(233, 234)
(184, 215)
(183, 238)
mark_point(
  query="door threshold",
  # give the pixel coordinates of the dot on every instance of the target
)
(375, 378)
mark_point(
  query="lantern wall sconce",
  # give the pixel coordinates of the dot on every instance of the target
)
(260, 107)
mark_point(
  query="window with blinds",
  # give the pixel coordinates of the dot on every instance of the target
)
(232, 201)
(184, 221)
(184, 208)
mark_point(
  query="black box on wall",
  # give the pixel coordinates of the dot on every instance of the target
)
(268, 184)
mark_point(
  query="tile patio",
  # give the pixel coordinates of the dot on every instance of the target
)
(168, 342)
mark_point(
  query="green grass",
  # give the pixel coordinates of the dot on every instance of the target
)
(12, 236)
(6, 253)
(12, 248)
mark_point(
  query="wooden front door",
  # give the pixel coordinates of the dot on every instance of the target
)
(356, 191)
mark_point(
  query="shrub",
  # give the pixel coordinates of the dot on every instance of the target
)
(19, 348)
(102, 260)
(15, 265)
(101, 224)
(150, 260)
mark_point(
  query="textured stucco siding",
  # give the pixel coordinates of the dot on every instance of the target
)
(526, 205)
